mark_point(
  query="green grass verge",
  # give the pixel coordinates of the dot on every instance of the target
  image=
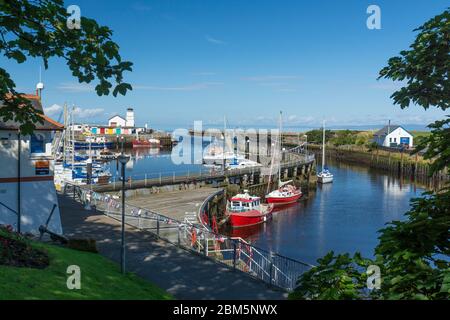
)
(417, 134)
(100, 279)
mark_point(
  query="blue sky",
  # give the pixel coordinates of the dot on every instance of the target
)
(246, 60)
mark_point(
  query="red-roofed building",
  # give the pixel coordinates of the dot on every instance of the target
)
(26, 174)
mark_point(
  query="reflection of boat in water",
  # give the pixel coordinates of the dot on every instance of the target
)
(325, 175)
(245, 233)
(150, 143)
(245, 210)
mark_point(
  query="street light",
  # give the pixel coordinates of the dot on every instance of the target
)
(123, 159)
(306, 144)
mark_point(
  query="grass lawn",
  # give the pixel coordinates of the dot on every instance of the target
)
(100, 279)
(420, 133)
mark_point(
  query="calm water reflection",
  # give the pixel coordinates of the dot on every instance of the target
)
(343, 216)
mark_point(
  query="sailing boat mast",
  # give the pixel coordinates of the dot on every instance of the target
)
(65, 134)
(323, 146)
(224, 142)
(280, 137)
(73, 137)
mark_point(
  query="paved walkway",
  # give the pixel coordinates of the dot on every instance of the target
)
(174, 204)
(184, 274)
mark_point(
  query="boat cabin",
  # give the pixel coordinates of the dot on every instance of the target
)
(244, 202)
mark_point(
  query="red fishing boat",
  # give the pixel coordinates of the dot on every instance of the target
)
(245, 210)
(285, 194)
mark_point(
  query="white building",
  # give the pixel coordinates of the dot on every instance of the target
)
(26, 174)
(130, 118)
(117, 121)
(393, 136)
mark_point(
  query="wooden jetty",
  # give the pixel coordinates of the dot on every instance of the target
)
(294, 164)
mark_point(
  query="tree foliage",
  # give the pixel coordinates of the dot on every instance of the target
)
(414, 254)
(336, 277)
(425, 67)
(316, 135)
(38, 29)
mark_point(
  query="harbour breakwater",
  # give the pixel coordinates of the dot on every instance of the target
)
(401, 164)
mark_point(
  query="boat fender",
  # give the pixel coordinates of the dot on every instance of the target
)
(193, 237)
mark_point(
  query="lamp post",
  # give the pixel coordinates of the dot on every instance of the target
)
(306, 144)
(123, 161)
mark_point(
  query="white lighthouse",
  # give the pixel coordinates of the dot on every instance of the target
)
(130, 117)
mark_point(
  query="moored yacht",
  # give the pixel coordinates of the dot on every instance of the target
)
(285, 194)
(324, 176)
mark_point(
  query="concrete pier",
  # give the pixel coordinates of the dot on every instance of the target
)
(174, 204)
(182, 273)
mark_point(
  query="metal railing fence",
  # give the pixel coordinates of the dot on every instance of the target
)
(272, 268)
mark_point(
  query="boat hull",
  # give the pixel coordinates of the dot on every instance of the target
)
(80, 145)
(249, 218)
(321, 179)
(279, 201)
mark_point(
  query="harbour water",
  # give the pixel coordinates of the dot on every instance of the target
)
(343, 216)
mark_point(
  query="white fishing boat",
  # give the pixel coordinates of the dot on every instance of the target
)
(324, 176)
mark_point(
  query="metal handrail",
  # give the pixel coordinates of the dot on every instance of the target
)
(282, 272)
(12, 210)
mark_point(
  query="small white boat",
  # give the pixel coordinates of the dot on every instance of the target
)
(242, 164)
(325, 176)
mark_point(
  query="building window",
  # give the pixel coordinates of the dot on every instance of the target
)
(395, 139)
(390, 139)
(37, 144)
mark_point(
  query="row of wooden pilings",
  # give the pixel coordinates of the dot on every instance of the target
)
(400, 164)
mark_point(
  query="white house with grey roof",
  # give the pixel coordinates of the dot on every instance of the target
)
(393, 136)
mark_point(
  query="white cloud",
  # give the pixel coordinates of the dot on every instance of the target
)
(87, 113)
(271, 77)
(76, 87)
(53, 110)
(190, 87)
(214, 40)
(80, 113)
